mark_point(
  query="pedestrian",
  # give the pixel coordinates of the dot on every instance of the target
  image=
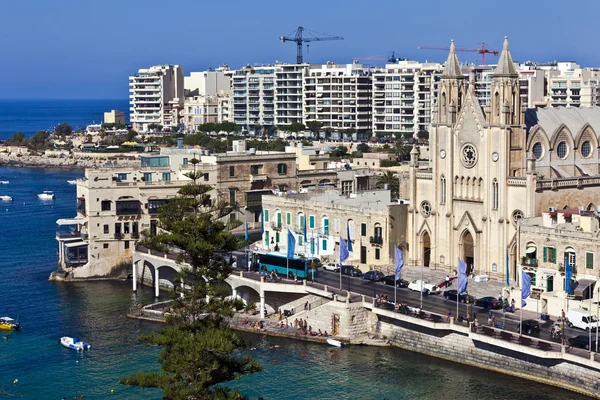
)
(447, 280)
(295, 278)
(475, 325)
(493, 321)
(449, 315)
(306, 306)
(489, 319)
(562, 315)
(468, 317)
(377, 299)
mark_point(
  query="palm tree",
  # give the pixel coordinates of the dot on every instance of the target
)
(392, 181)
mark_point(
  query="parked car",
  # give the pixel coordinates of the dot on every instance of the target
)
(529, 327)
(581, 319)
(375, 276)
(489, 302)
(355, 272)
(464, 297)
(424, 286)
(346, 269)
(391, 279)
(335, 267)
(582, 341)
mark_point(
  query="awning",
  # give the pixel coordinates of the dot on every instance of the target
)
(531, 249)
(71, 221)
(75, 244)
(583, 288)
(569, 251)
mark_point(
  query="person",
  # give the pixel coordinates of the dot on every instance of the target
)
(377, 299)
(468, 317)
(493, 321)
(320, 333)
(505, 305)
(562, 314)
(295, 278)
(325, 334)
(447, 280)
(475, 325)
(512, 305)
(449, 315)
(306, 306)
(490, 319)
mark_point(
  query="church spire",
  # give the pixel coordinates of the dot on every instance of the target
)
(506, 66)
(452, 67)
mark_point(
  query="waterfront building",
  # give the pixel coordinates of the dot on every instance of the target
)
(338, 96)
(492, 166)
(202, 109)
(403, 97)
(156, 97)
(114, 117)
(373, 223)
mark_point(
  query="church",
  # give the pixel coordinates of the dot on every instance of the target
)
(492, 166)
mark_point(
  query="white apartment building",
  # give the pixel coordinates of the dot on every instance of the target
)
(208, 83)
(403, 96)
(156, 97)
(254, 97)
(573, 86)
(288, 93)
(339, 96)
(203, 109)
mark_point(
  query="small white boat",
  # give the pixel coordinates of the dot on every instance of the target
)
(336, 343)
(6, 198)
(74, 343)
(46, 195)
(72, 182)
(4, 182)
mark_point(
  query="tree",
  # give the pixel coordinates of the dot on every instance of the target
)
(328, 132)
(402, 150)
(39, 141)
(63, 129)
(18, 139)
(339, 152)
(423, 135)
(314, 126)
(363, 148)
(199, 349)
(228, 127)
(131, 135)
(295, 127)
(392, 181)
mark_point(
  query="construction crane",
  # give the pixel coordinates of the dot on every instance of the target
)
(483, 50)
(297, 37)
(391, 59)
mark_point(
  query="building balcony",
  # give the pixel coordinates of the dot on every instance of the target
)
(258, 177)
(118, 236)
(275, 226)
(529, 262)
(376, 240)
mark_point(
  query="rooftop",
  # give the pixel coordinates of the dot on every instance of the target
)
(372, 199)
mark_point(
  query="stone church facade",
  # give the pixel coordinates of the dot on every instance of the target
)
(483, 177)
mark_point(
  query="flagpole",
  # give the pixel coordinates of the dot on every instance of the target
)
(521, 302)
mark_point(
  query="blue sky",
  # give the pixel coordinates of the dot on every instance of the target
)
(87, 48)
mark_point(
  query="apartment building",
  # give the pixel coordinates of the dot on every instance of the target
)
(403, 96)
(114, 117)
(208, 83)
(339, 96)
(204, 109)
(288, 93)
(254, 97)
(573, 86)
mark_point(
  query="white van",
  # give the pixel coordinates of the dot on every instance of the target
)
(582, 319)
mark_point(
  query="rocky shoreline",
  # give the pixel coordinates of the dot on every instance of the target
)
(65, 161)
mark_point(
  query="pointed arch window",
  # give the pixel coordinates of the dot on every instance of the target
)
(497, 104)
(442, 189)
(495, 194)
(443, 110)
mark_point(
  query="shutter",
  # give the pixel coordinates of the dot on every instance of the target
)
(545, 254)
(589, 260)
(553, 254)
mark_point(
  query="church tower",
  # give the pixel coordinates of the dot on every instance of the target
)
(506, 101)
(452, 90)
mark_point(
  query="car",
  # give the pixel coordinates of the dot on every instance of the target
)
(355, 272)
(419, 285)
(529, 327)
(375, 276)
(582, 341)
(335, 267)
(464, 297)
(582, 319)
(346, 269)
(489, 303)
(391, 279)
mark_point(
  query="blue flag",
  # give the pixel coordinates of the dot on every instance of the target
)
(399, 263)
(305, 237)
(343, 250)
(247, 235)
(568, 276)
(507, 271)
(291, 244)
(348, 232)
(463, 280)
(262, 222)
(525, 287)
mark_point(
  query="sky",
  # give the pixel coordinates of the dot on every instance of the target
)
(86, 49)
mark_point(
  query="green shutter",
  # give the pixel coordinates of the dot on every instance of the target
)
(301, 222)
(276, 237)
(324, 244)
(266, 215)
(326, 226)
(288, 218)
(545, 254)
(279, 219)
(553, 255)
(267, 239)
(311, 222)
(589, 260)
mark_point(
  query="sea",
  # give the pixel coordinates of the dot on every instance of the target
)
(33, 365)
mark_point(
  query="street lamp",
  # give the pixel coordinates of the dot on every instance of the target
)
(422, 267)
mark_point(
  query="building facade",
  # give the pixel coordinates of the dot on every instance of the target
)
(200, 110)
(573, 86)
(208, 83)
(114, 117)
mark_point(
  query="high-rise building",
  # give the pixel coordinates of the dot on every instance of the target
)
(156, 97)
(288, 93)
(254, 97)
(574, 86)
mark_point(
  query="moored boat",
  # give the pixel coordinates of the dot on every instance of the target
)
(74, 343)
(4, 182)
(72, 182)
(6, 198)
(9, 324)
(46, 195)
(336, 343)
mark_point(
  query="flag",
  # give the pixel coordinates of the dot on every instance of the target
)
(462, 276)
(399, 263)
(507, 271)
(343, 250)
(262, 222)
(247, 236)
(568, 276)
(305, 237)
(348, 232)
(525, 287)
(291, 244)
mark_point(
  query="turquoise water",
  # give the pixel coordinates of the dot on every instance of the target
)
(94, 311)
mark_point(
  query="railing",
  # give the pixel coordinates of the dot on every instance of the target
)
(118, 236)
(530, 262)
(376, 240)
(424, 175)
(275, 226)
(517, 182)
(311, 306)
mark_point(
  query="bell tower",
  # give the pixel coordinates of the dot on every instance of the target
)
(452, 90)
(506, 101)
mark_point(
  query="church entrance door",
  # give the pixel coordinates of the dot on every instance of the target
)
(426, 249)
(468, 251)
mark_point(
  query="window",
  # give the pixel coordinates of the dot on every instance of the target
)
(255, 169)
(378, 231)
(276, 237)
(311, 222)
(126, 244)
(106, 229)
(122, 177)
(266, 215)
(363, 229)
(206, 177)
(266, 238)
(288, 218)
(166, 176)
(232, 193)
(538, 150)
(550, 255)
(231, 171)
(278, 218)
(325, 223)
(517, 215)
(377, 253)
(589, 260)
(570, 257)
(443, 190)
(495, 194)
(125, 227)
(147, 176)
(561, 150)
(425, 209)
(324, 244)
(586, 149)
(185, 161)
(106, 205)
(301, 221)
(282, 169)
(105, 246)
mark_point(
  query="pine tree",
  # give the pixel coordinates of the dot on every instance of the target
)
(199, 348)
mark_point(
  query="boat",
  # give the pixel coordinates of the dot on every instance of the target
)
(72, 182)
(4, 182)
(335, 343)
(9, 324)
(74, 343)
(46, 195)
(6, 198)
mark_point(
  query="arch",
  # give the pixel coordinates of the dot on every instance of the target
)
(513, 110)
(562, 133)
(277, 218)
(167, 276)
(586, 132)
(455, 188)
(590, 207)
(468, 188)
(531, 253)
(570, 256)
(467, 249)
(480, 189)
(147, 274)
(248, 294)
(426, 248)
(301, 220)
(462, 181)
(442, 189)
(538, 134)
(443, 105)
(495, 194)
(306, 182)
(323, 181)
(497, 104)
